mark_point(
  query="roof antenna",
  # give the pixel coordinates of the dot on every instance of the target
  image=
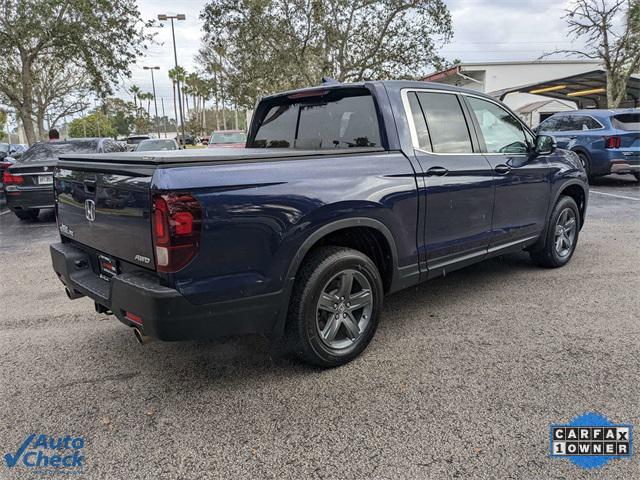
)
(329, 80)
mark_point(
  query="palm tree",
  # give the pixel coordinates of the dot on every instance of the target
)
(135, 91)
(177, 74)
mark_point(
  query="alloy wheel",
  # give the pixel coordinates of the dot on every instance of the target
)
(565, 232)
(344, 309)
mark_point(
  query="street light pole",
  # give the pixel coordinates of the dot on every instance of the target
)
(155, 101)
(179, 16)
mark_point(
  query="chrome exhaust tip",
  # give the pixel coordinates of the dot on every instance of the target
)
(141, 338)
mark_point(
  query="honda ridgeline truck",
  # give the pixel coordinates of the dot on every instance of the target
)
(344, 194)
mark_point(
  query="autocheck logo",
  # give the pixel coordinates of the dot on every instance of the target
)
(48, 454)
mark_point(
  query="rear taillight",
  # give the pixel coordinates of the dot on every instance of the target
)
(177, 219)
(612, 142)
(9, 179)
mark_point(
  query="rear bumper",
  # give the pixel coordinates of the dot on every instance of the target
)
(164, 312)
(625, 166)
(22, 198)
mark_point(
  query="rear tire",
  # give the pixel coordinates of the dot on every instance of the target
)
(561, 236)
(584, 160)
(28, 214)
(335, 306)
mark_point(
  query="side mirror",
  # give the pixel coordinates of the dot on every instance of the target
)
(545, 144)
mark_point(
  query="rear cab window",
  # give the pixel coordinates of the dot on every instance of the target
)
(318, 120)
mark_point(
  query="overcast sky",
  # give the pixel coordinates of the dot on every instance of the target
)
(484, 30)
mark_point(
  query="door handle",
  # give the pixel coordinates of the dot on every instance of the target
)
(437, 172)
(573, 137)
(502, 169)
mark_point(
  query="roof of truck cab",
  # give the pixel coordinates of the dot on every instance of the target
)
(389, 84)
(215, 154)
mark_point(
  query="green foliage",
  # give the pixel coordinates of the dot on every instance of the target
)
(96, 124)
(121, 114)
(100, 38)
(261, 46)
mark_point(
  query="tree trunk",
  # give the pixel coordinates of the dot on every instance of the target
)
(175, 105)
(27, 101)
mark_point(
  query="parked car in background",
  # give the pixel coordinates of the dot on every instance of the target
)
(204, 140)
(228, 138)
(17, 149)
(134, 140)
(157, 145)
(28, 183)
(4, 150)
(606, 141)
(188, 140)
(346, 192)
(5, 163)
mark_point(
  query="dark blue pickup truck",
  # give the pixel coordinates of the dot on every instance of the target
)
(345, 193)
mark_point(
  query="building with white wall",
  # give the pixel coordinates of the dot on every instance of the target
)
(491, 77)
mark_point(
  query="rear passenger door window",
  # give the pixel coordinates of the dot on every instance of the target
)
(446, 126)
(502, 131)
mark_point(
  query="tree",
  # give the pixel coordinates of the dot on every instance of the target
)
(101, 38)
(121, 114)
(59, 90)
(135, 91)
(283, 44)
(3, 122)
(96, 124)
(611, 32)
(176, 75)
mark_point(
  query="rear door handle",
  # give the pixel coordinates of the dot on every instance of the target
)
(437, 172)
(502, 169)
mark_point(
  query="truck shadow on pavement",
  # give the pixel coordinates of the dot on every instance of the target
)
(234, 362)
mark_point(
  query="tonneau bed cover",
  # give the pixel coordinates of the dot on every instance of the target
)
(206, 155)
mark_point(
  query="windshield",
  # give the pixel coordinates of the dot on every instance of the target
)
(228, 137)
(51, 150)
(627, 121)
(156, 145)
(319, 120)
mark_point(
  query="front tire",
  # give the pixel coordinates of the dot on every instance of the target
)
(561, 236)
(28, 214)
(335, 306)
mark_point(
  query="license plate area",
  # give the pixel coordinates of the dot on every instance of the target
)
(45, 179)
(108, 267)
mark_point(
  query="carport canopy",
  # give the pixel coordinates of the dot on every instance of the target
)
(588, 90)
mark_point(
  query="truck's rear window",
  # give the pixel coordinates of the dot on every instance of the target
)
(627, 121)
(329, 119)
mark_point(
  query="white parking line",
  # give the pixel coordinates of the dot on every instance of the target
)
(613, 195)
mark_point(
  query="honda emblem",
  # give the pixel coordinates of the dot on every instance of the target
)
(90, 210)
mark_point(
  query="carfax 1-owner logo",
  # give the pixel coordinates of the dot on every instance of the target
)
(591, 440)
(48, 454)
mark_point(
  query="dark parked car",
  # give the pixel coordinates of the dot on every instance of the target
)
(28, 182)
(606, 141)
(346, 192)
(188, 140)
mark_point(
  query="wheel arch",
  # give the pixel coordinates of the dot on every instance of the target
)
(338, 233)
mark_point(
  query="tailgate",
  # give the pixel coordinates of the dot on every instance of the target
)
(107, 211)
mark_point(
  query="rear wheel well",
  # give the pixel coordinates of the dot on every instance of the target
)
(367, 240)
(577, 193)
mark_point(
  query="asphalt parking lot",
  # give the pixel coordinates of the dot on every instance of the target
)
(463, 379)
